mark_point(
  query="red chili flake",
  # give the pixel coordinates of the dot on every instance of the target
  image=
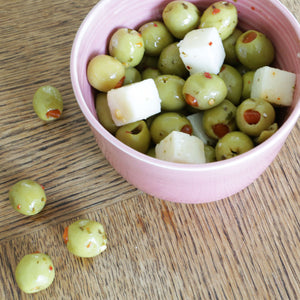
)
(154, 24)
(89, 245)
(215, 11)
(19, 206)
(251, 116)
(220, 130)
(188, 67)
(36, 252)
(252, 7)
(50, 268)
(207, 75)
(278, 99)
(120, 83)
(249, 82)
(249, 37)
(190, 100)
(187, 129)
(42, 187)
(210, 43)
(54, 113)
(66, 235)
(222, 68)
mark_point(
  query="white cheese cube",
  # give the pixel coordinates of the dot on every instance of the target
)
(181, 147)
(274, 85)
(134, 102)
(202, 50)
(198, 130)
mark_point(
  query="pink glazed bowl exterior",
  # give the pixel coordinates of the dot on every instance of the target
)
(184, 183)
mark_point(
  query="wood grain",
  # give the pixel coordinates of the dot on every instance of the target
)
(242, 247)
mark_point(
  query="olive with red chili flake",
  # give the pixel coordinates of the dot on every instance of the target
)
(232, 144)
(221, 15)
(34, 272)
(85, 238)
(254, 115)
(254, 49)
(127, 45)
(165, 123)
(156, 37)
(105, 72)
(180, 17)
(204, 90)
(27, 197)
(219, 120)
(47, 103)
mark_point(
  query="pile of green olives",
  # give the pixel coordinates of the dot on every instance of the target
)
(229, 116)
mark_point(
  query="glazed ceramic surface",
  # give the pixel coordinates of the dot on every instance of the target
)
(183, 182)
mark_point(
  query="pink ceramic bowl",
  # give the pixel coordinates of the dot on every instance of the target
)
(184, 182)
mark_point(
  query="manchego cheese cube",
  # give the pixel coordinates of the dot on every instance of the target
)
(274, 85)
(181, 147)
(134, 102)
(202, 50)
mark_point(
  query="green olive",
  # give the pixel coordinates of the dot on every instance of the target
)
(265, 134)
(156, 37)
(27, 197)
(85, 238)
(147, 62)
(254, 49)
(254, 115)
(210, 153)
(221, 15)
(181, 17)
(170, 92)
(234, 83)
(132, 75)
(135, 135)
(103, 113)
(170, 62)
(165, 123)
(34, 272)
(219, 120)
(232, 144)
(204, 90)
(48, 103)
(247, 84)
(105, 73)
(229, 47)
(127, 45)
(150, 73)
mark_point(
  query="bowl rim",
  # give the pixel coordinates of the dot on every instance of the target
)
(277, 138)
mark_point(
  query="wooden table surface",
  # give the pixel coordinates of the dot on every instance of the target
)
(242, 247)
